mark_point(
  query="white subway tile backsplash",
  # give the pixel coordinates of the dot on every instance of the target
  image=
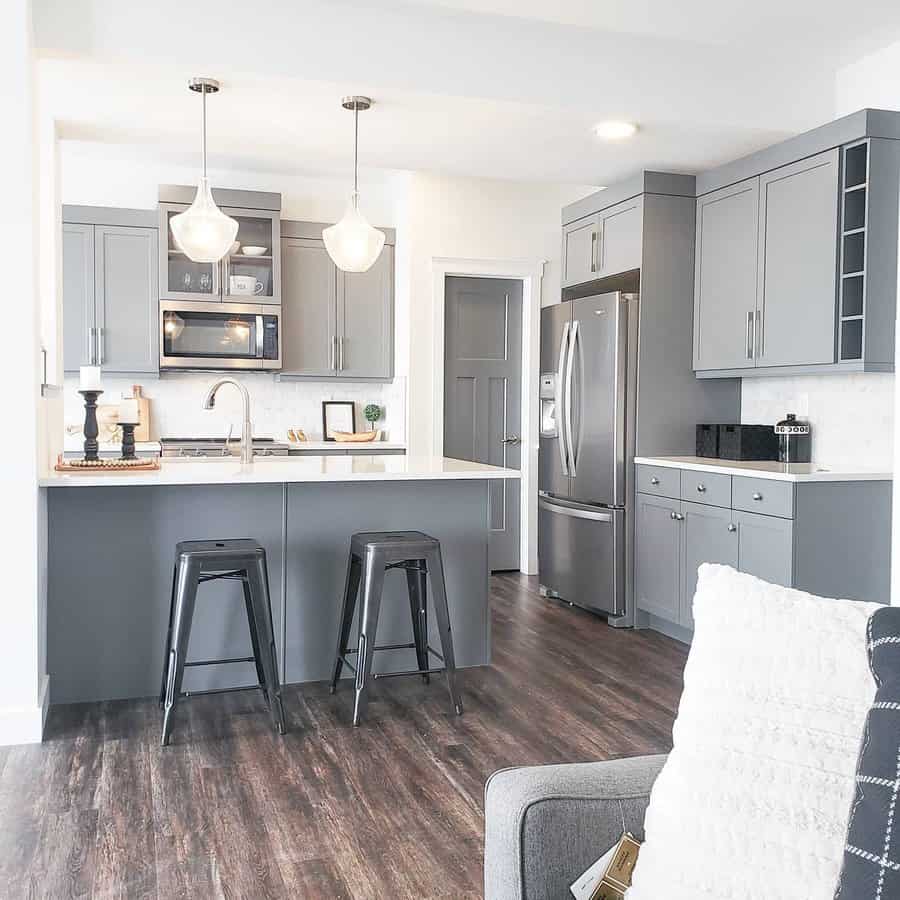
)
(176, 404)
(852, 416)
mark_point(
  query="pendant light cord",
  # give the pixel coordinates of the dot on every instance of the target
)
(203, 143)
(356, 155)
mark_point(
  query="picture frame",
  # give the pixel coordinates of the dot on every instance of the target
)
(337, 415)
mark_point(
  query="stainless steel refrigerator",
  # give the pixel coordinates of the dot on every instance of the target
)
(587, 384)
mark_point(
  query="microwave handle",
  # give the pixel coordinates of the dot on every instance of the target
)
(260, 347)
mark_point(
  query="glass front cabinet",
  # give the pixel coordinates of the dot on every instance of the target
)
(249, 273)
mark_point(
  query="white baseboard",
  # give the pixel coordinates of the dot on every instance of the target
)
(25, 725)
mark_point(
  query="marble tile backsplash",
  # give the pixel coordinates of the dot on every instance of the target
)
(176, 404)
(852, 416)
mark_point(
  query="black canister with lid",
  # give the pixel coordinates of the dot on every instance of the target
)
(794, 440)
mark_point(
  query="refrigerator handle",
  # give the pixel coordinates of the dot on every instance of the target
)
(594, 515)
(560, 406)
(567, 398)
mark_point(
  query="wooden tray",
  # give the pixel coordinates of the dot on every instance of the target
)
(354, 437)
(81, 466)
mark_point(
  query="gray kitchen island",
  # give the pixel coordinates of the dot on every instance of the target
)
(111, 552)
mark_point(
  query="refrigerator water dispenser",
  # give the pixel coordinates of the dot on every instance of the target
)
(549, 428)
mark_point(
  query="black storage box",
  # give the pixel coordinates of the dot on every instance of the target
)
(748, 442)
(708, 441)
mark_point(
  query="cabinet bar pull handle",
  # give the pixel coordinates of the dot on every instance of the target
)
(100, 347)
(91, 346)
(341, 353)
(654, 480)
(760, 341)
(750, 334)
(334, 353)
(594, 250)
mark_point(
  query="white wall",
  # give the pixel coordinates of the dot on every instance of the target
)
(874, 81)
(470, 218)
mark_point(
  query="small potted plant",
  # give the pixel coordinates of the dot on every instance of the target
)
(372, 413)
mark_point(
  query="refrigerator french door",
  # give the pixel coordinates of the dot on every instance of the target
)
(583, 444)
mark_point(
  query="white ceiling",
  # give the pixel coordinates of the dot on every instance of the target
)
(458, 91)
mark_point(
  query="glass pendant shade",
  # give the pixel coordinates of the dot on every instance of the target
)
(203, 232)
(353, 243)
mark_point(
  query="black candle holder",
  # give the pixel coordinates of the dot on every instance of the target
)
(127, 440)
(91, 447)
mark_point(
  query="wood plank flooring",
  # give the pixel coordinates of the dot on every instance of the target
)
(392, 809)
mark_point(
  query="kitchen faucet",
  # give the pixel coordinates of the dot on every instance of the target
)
(209, 402)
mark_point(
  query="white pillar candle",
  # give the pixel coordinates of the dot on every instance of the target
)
(128, 411)
(90, 379)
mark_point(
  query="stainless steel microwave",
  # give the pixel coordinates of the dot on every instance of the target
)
(203, 335)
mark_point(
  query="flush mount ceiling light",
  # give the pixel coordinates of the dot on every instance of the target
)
(203, 232)
(614, 131)
(353, 243)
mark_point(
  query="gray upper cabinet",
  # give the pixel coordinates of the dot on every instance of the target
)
(126, 299)
(658, 556)
(602, 244)
(308, 309)
(110, 298)
(725, 267)
(366, 320)
(798, 221)
(79, 344)
(335, 324)
(709, 536)
(579, 253)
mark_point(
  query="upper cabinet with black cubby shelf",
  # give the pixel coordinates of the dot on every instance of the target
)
(796, 254)
(258, 215)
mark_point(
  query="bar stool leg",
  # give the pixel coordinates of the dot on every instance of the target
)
(165, 665)
(348, 608)
(187, 579)
(262, 608)
(416, 584)
(373, 583)
(439, 590)
(254, 636)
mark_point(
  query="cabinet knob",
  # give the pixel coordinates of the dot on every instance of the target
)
(654, 480)
(676, 517)
(732, 526)
(757, 495)
(701, 488)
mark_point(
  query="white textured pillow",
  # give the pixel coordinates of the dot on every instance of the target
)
(754, 799)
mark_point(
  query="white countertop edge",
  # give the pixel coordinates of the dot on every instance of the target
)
(309, 446)
(765, 469)
(296, 470)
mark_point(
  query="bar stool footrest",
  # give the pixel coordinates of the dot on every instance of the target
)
(221, 662)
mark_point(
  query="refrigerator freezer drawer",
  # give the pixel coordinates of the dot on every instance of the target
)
(581, 554)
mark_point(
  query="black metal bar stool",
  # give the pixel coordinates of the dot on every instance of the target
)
(197, 562)
(372, 554)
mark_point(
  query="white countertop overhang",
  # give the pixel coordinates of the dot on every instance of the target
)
(766, 469)
(289, 470)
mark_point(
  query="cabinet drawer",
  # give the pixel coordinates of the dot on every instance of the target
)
(763, 495)
(706, 487)
(658, 480)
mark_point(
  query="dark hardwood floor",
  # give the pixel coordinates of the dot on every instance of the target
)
(392, 809)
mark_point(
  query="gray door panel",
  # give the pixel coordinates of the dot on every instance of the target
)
(78, 296)
(482, 393)
(581, 553)
(658, 556)
(309, 326)
(725, 277)
(127, 298)
(798, 263)
(580, 251)
(366, 320)
(621, 231)
(599, 329)
(765, 547)
(706, 538)
(555, 324)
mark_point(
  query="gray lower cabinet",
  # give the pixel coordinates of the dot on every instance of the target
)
(658, 556)
(335, 324)
(110, 298)
(709, 535)
(766, 547)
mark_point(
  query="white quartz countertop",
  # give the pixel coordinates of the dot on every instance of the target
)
(292, 470)
(764, 469)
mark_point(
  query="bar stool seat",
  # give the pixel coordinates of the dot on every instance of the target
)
(372, 554)
(197, 562)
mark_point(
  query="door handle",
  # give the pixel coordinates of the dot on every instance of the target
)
(750, 334)
(561, 412)
(100, 342)
(333, 366)
(341, 353)
(91, 346)
(593, 249)
(570, 438)
(760, 341)
(513, 439)
(575, 512)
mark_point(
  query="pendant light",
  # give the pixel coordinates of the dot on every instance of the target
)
(203, 232)
(353, 243)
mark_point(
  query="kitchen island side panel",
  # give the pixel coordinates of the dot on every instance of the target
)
(322, 517)
(111, 557)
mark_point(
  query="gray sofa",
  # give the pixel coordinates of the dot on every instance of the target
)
(545, 825)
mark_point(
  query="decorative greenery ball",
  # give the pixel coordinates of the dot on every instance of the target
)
(372, 413)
